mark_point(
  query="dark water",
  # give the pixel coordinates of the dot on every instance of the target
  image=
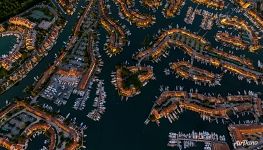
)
(37, 142)
(7, 43)
(122, 126)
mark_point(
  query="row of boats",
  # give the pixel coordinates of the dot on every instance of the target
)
(189, 139)
(207, 21)
(99, 102)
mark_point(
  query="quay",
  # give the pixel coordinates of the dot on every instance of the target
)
(172, 103)
(139, 19)
(117, 36)
(198, 48)
(186, 70)
(173, 8)
(125, 76)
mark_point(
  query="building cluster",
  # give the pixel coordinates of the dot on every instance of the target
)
(67, 76)
(31, 45)
(51, 39)
(29, 64)
(74, 71)
(143, 74)
(68, 5)
(171, 103)
(227, 38)
(83, 17)
(139, 19)
(89, 72)
(46, 75)
(166, 39)
(49, 125)
(173, 8)
(30, 40)
(217, 4)
(47, 129)
(152, 4)
(4, 142)
(73, 75)
(250, 13)
(23, 38)
(247, 136)
(239, 41)
(22, 22)
(187, 71)
(198, 48)
(116, 34)
(6, 62)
